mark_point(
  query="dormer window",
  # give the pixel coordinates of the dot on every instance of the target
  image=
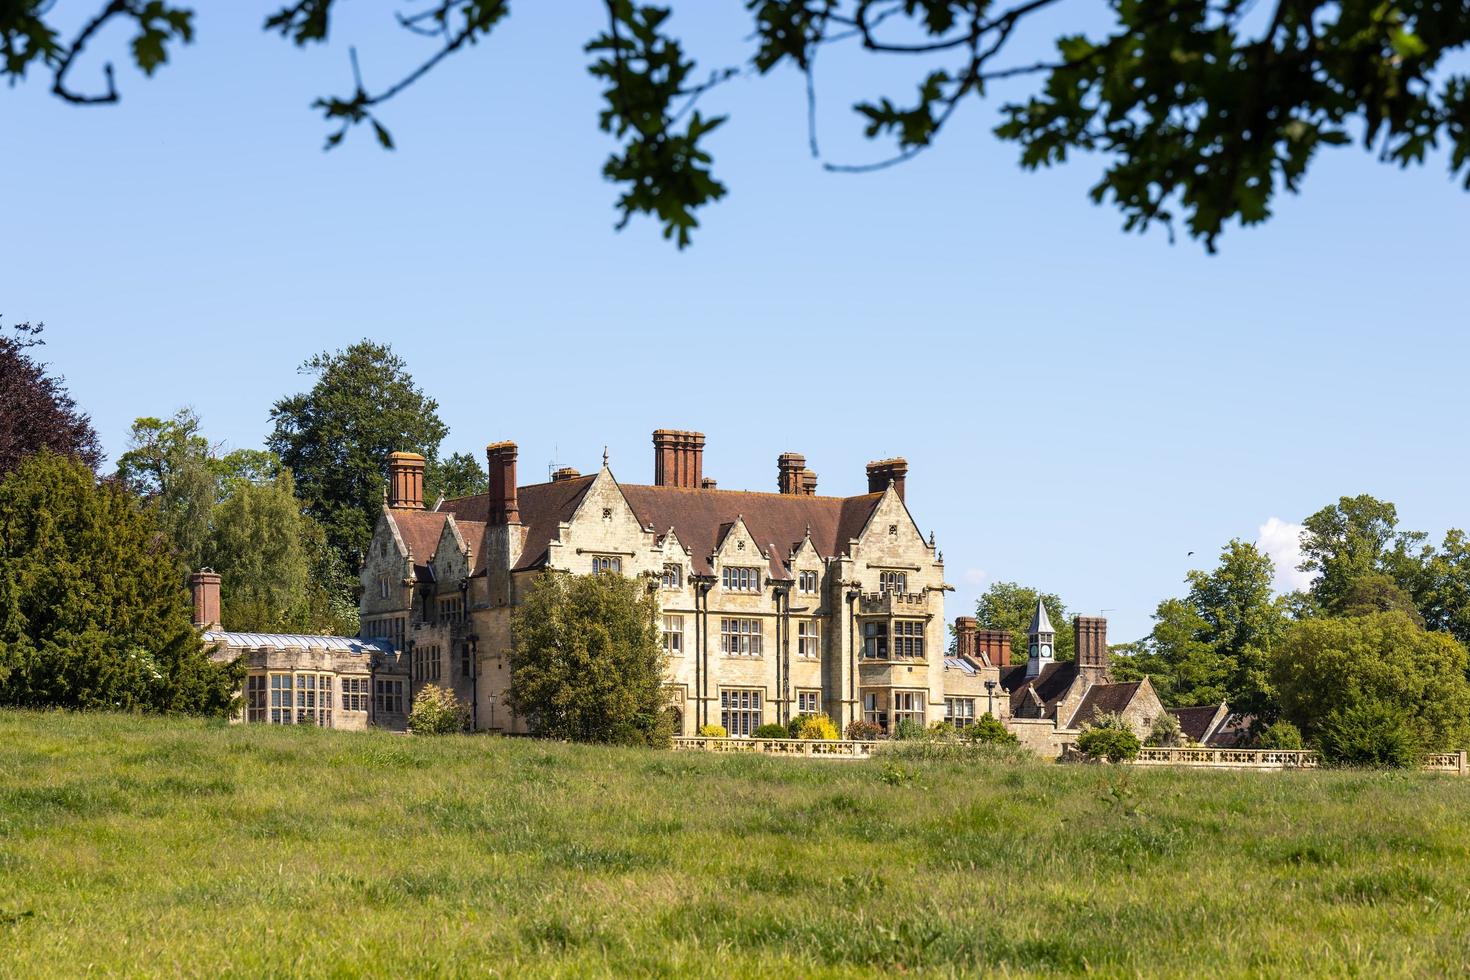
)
(736, 579)
(806, 582)
(606, 563)
(673, 577)
(893, 582)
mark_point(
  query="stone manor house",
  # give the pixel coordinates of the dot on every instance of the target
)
(772, 605)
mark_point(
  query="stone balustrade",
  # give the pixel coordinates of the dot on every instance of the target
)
(804, 747)
(1229, 758)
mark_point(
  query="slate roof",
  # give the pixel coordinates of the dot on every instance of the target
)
(1040, 622)
(1050, 685)
(543, 507)
(1196, 722)
(1102, 698)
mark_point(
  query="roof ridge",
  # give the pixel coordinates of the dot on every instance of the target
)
(762, 493)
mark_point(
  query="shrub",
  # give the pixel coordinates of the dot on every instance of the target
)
(1281, 735)
(907, 730)
(712, 731)
(988, 730)
(1113, 744)
(1371, 734)
(770, 729)
(1165, 731)
(942, 731)
(814, 727)
(436, 711)
(859, 730)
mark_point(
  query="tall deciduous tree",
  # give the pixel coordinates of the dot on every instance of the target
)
(36, 412)
(1326, 670)
(336, 438)
(237, 513)
(586, 661)
(1215, 643)
(1205, 111)
(92, 612)
(1009, 606)
(1355, 537)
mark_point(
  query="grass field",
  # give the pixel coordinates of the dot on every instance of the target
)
(182, 847)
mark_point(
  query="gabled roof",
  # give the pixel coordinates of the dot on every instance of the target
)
(1049, 686)
(774, 520)
(543, 508)
(420, 530)
(1104, 698)
(1199, 723)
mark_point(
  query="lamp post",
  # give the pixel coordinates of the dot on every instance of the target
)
(990, 698)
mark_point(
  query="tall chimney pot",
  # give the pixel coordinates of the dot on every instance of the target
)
(406, 481)
(790, 473)
(678, 458)
(204, 585)
(1092, 641)
(883, 471)
(504, 507)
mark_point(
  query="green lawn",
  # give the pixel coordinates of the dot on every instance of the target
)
(183, 847)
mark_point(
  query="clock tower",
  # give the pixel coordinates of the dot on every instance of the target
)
(1042, 641)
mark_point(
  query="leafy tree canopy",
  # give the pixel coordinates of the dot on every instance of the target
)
(1327, 668)
(587, 663)
(1214, 643)
(456, 475)
(1009, 606)
(237, 513)
(36, 412)
(336, 438)
(1355, 537)
(1203, 111)
(92, 612)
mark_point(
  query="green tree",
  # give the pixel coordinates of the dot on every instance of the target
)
(586, 661)
(1203, 111)
(1215, 643)
(1009, 606)
(1325, 668)
(1356, 537)
(337, 437)
(36, 412)
(277, 573)
(92, 613)
(172, 467)
(456, 475)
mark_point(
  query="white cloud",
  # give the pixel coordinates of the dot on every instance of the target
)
(1282, 542)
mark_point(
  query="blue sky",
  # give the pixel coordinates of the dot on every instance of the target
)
(1080, 407)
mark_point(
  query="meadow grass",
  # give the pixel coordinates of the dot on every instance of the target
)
(147, 846)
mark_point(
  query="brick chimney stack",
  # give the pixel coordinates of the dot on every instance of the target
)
(565, 473)
(995, 646)
(791, 473)
(406, 481)
(204, 584)
(678, 458)
(881, 471)
(504, 508)
(808, 483)
(965, 628)
(1092, 641)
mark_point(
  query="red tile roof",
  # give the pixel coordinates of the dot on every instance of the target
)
(778, 522)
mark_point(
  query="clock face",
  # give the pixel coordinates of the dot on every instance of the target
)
(1046, 650)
